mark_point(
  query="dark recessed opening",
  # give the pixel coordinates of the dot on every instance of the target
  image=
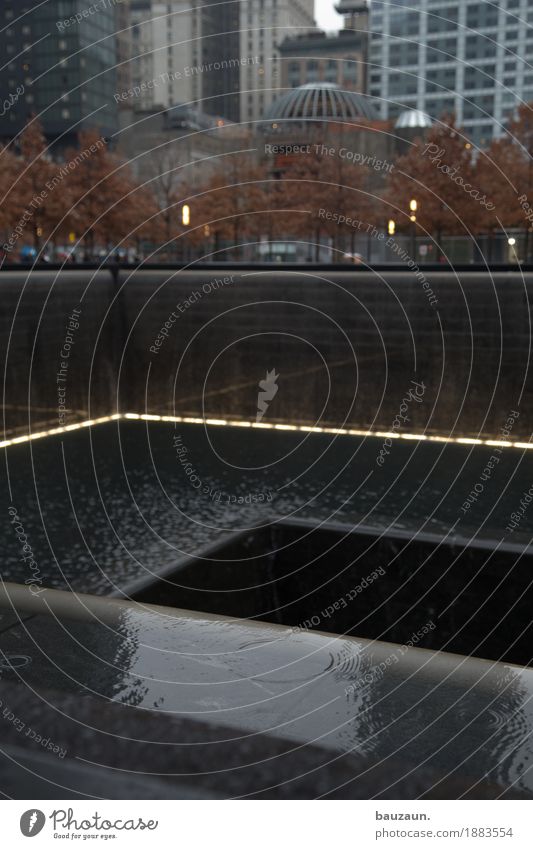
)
(469, 599)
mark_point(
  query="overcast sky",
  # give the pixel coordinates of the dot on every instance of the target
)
(326, 16)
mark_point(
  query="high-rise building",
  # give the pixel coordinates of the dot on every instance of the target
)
(161, 49)
(466, 57)
(142, 51)
(339, 58)
(264, 24)
(186, 51)
(321, 57)
(220, 57)
(59, 65)
(123, 45)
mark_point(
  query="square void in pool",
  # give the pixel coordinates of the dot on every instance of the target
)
(464, 598)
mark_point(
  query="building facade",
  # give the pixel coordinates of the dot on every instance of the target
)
(171, 147)
(186, 52)
(124, 45)
(338, 58)
(162, 49)
(57, 67)
(221, 57)
(461, 57)
(264, 25)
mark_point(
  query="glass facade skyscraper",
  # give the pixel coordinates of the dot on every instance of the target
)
(66, 67)
(464, 57)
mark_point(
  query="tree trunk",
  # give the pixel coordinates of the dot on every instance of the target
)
(235, 238)
(440, 252)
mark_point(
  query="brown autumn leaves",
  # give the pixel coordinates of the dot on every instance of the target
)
(92, 195)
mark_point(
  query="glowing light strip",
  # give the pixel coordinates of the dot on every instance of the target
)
(29, 437)
(374, 434)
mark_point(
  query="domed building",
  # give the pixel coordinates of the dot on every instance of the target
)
(322, 131)
(320, 102)
(325, 119)
(324, 113)
(410, 124)
(413, 119)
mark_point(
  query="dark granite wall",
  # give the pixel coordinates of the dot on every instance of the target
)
(346, 346)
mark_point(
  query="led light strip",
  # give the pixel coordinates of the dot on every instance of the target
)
(29, 437)
(418, 437)
(376, 434)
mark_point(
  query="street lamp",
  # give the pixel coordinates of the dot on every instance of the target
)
(391, 227)
(413, 206)
(185, 221)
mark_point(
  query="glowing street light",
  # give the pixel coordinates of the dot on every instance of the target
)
(391, 227)
(185, 214)
(413, 206)
(511, 242)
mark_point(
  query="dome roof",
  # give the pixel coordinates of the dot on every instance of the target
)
(321, 102)
(413, 119)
